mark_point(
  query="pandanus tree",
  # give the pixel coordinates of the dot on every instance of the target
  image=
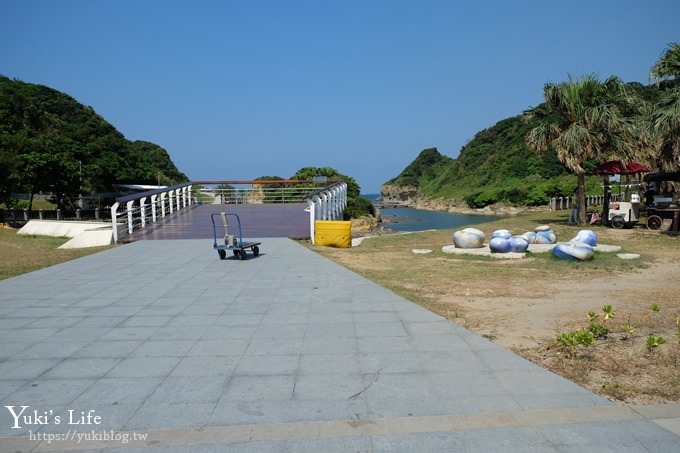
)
(664, 126)
(581, 120)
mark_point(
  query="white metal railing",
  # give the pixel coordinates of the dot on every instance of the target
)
(561, 203)
(258, 192)
(133, 212)
(327, 204)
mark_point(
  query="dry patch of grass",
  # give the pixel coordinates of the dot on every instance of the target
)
(526, 304)
(20, 254)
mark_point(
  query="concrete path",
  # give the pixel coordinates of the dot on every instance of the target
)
(159, 346)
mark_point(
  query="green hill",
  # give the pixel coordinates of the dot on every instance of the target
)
(495, 166)
(48, 140)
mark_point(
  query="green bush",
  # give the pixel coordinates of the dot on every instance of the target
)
(358, 207)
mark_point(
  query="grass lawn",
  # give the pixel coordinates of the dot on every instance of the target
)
(20, 254)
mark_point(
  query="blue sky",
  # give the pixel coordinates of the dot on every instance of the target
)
(242, 89)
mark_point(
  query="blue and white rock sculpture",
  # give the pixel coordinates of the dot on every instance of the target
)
(504, 234)
(469, 238)
(499, 245)
(502, 241)
(529, 236)
(573, 251)
(518, 244)
(545, 235)
(587, 236)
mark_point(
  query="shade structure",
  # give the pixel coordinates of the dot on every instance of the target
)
(617, 167)
(658, 177)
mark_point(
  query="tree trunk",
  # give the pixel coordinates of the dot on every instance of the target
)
(581, 186)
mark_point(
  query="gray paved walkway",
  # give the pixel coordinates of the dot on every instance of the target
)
(284, 352)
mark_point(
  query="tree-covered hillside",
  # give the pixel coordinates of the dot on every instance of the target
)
(496, 165)
(48, 141)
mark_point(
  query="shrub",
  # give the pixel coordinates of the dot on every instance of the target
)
(358, 207)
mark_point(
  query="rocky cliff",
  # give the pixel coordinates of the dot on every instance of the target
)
(412, 197)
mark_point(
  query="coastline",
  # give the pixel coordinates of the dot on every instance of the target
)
(390, 219)
(440, 205)
(412, 197)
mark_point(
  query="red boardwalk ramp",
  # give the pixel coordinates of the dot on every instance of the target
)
(257, 221)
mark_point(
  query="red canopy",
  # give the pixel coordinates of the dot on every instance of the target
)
(616, 167)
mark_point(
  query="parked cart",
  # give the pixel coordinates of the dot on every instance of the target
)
(622, 213)
(233, 242)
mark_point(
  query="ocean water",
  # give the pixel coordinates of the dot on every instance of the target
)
(411, 219)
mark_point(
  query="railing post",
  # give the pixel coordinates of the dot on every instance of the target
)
(312, 218)
(337, 203)
(142, 210)
(129, 205)
(178, 199)
(163, 195)
(114, 220)
(171, 202)
(324, 206)
(331, 204)
(153, 207)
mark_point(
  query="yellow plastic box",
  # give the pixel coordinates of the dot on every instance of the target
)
(333, 233)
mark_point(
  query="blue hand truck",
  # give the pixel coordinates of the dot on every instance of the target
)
(232, 242)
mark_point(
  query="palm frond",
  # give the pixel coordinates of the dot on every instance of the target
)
(668, 66)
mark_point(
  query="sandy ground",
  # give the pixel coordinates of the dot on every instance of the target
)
(544, 309)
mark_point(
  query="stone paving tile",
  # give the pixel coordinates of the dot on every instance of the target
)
(144, 367)
(152, 415)
(327, 363)
(218, 348)
(229, 412)
(327, 387)
(259, 388)
(168, 348)
(25, 368)
(118, 390)
(110, 348)
(262, 364)
(49, 393)
(188, 389)
(74, 368)
(206, 365)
